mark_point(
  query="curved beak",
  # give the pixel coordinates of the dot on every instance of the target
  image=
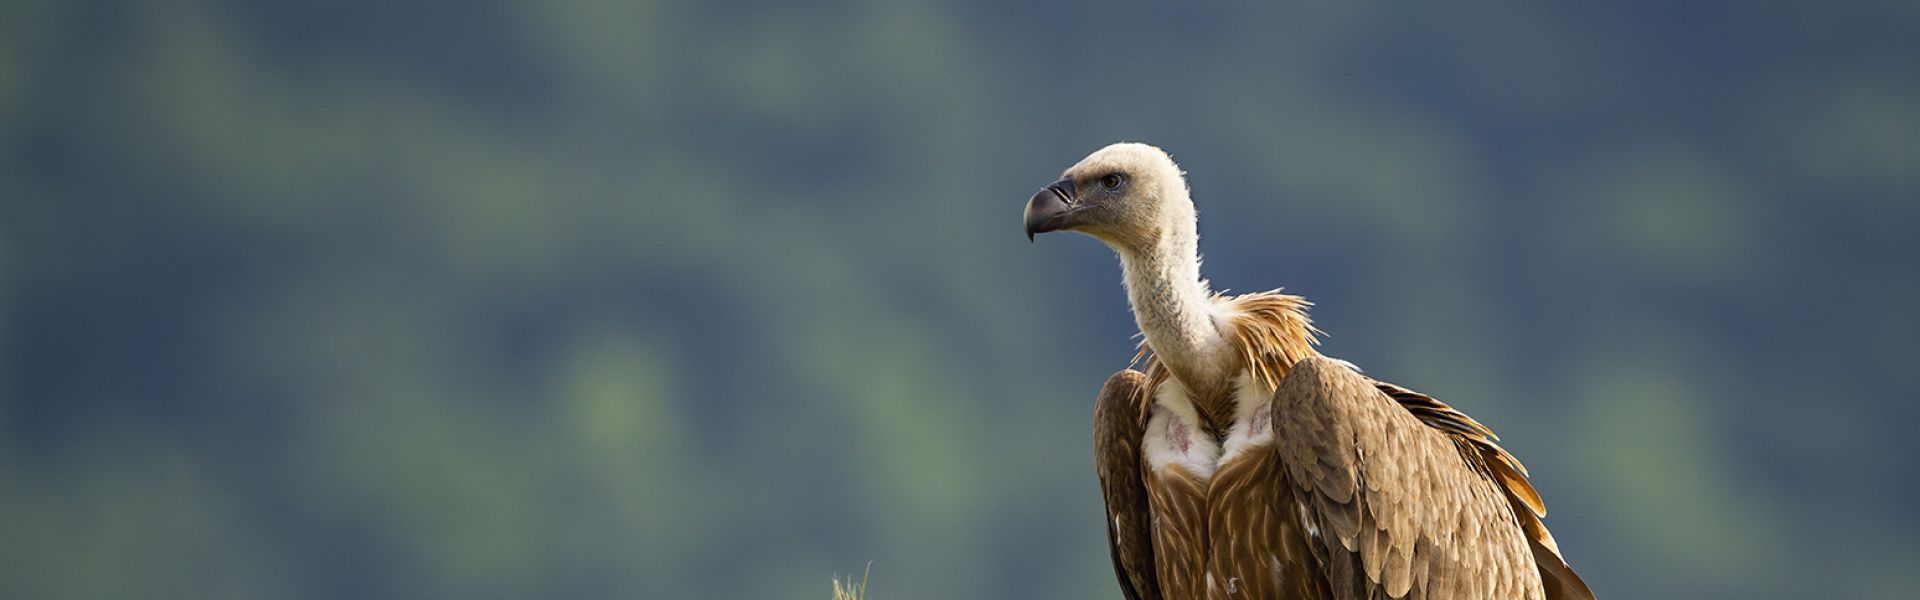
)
(1048, 209)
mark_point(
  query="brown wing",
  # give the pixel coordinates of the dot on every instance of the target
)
(1395, 508)
(1558, 577)
(1119, 423)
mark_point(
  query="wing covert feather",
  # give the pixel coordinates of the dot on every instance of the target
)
(1396, 503)
(1119, 424)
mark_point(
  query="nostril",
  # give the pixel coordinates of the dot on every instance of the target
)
(1062, 188)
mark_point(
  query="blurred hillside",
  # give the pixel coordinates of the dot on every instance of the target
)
(714, 300)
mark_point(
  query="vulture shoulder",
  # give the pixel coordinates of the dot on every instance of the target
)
(1119, 423)
(1404, 497)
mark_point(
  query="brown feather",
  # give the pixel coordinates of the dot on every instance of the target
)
(1272, 332)
(1118, 424)
(1527, 505)
(1425, 484)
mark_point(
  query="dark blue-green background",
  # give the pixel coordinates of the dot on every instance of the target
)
(595, 299)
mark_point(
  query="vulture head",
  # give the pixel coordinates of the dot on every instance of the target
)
(1134, 198)
(1130, 196)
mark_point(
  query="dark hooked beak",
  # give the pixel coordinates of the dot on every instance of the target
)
(1048, 209)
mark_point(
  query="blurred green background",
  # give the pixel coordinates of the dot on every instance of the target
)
(595, 299)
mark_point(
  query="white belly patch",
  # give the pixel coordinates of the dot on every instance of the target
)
(1252, 418)
(1174, 436)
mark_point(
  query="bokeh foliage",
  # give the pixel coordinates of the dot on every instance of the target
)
(659, 299)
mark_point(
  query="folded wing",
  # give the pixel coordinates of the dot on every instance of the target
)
(1403, 497)
(1119, 423)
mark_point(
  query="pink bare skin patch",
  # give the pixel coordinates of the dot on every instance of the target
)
(1178, 437)
(1261, 421)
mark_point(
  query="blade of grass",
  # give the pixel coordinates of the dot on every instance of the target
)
(849, 591)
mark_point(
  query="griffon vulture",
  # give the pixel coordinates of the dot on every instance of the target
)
(1243, 464)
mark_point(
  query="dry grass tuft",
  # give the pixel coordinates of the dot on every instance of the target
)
(849, 591)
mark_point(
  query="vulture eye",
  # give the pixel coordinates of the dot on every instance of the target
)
(1113, 181)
